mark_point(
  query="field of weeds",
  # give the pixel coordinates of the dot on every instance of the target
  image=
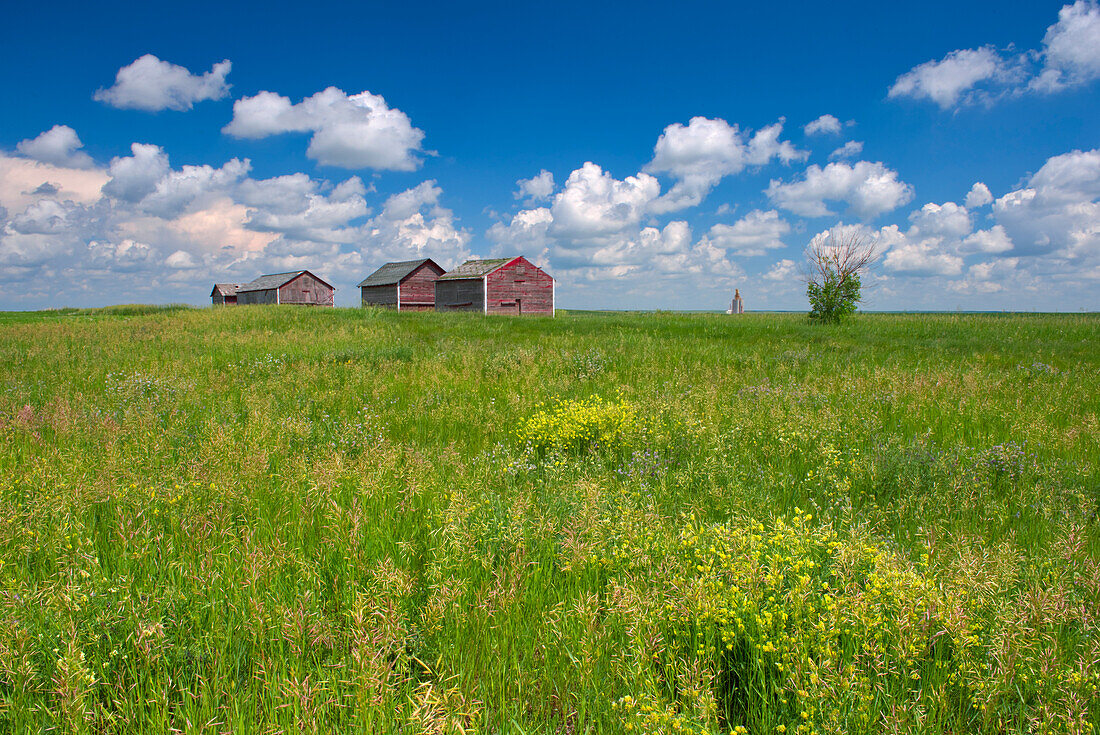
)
(269, 520)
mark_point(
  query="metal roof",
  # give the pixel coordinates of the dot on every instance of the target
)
(395, 272)
(226, 289)
(475, 268)
(276, 280)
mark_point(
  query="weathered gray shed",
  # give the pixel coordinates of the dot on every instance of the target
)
(407, 285)
(296, 287)
(224, 294)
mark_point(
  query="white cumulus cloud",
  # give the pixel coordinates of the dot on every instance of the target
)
(993, 240)
(754, 234)
(703, 152)
(784, 271)
(1071, 48)
(1069, 57)
(151, 84)
(824, 124)
(59, 146)
(949, 79)
(947, 220)
(917, 257)
(978, 196)
(349, 131)
(136, 176)
(527, 233)
(869, 189)
(1058, 210)
(593, 203)
(851, 149)
(537, 188)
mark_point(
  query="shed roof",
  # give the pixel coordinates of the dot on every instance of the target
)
(275, 280)
(225, 289)
(475, 268)
(395, 272)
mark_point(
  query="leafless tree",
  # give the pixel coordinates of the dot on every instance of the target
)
(841, 253)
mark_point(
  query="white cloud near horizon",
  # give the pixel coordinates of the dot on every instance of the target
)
(141, 224)
(164, 228)
(358, 131)
(151, 85)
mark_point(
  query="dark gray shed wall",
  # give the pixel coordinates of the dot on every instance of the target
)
(258, 297)
(467, 294)
(380, 295)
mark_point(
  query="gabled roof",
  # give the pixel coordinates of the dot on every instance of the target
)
(275, 280)
(475, 268)
(225, 289)
(392, 273)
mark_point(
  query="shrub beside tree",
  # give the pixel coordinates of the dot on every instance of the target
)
(834, 265)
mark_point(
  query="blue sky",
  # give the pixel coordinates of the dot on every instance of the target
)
(670, 152)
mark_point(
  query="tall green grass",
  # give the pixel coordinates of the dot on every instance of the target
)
(271, 519)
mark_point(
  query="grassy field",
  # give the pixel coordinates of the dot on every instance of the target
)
(271, 519)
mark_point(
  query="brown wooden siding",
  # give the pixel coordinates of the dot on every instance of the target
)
(306, 290)
(418, 288)
(520, 288)
(466, 294)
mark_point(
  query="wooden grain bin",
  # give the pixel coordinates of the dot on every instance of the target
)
(296, 287)
(224, 294)
(496, 286)
(407, 285)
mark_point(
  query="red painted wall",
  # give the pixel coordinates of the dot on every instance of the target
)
(418, 288)
(520, 288)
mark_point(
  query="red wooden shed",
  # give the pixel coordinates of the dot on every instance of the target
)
(224, 294)
(496, 286)
(296, 287)
(407, 285)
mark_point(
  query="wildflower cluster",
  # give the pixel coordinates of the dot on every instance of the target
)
(805, 630)
(573, 427)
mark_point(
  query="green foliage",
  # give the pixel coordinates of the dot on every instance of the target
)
(270, 519)
(833, 299)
